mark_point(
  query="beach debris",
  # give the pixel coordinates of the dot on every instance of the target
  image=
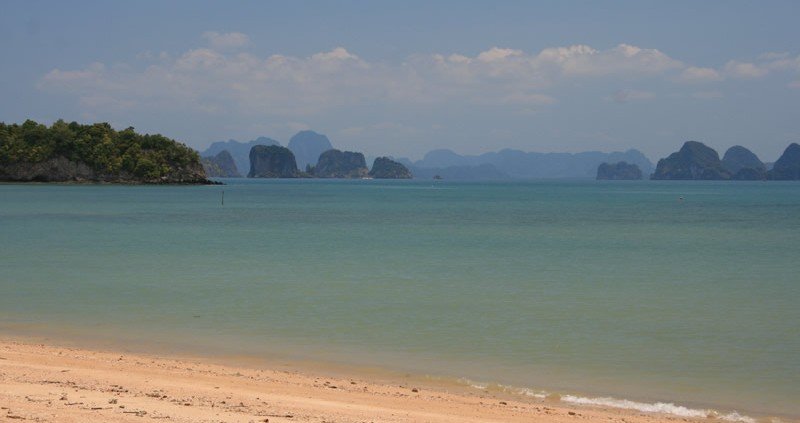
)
(117, 388)
(414, 390)
(138, 413)
(503, 403)
(112, 401)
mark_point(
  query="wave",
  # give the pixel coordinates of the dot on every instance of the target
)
(656, 407)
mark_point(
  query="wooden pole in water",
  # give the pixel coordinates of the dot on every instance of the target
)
(223, 197)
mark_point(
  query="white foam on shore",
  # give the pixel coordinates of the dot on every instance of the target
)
(657, 407)
(504, 388)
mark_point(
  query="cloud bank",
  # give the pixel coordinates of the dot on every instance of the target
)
(224, 82)
(223, 77)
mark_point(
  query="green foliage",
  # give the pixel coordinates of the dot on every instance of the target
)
(99, 146)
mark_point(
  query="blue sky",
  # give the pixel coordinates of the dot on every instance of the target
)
(402, 78)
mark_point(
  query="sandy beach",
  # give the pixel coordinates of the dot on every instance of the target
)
(47, 383)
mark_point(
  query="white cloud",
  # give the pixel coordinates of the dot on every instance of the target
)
(774, 55)
(458, 58)
(339, 53)
(220, 80)
(694, 74)
(765, 64)
(561, 55)
(495, 54)
(785, 63)
(623, 59)
(57, 76)
(745, 70)
(227, 40)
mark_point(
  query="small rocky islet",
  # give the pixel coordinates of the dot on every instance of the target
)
(787, 168)
(386, 168)
(221, 165)
(743, 164)
(272, 161)
(619, 171)
(279, 162)
(340, 164)
(697, 161)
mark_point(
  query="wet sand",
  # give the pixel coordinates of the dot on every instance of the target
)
(48, 383)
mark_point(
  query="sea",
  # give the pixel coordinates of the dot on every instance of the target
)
(667, 296)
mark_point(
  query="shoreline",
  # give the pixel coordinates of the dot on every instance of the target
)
(98, 382)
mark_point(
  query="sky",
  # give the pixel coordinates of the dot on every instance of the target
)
(402, 78)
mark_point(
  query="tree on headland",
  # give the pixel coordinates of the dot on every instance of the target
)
(108, 154)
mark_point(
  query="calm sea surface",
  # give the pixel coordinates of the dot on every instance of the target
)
(617, 289)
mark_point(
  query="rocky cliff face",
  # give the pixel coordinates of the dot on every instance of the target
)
(240, 151)
(386, 168)
(307, 147)
(743, 165)
(787, 168)
(272, 162)
(618, 171)
(693, 161)
(341, 164)
(221, 166)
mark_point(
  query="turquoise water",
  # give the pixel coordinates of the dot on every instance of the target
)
(593, 288)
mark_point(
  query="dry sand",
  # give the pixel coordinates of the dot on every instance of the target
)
(59, 384)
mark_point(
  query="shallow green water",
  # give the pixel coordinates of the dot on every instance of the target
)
(597, 288)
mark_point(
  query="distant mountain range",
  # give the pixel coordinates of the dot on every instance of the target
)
(518, 164)
(447, 164)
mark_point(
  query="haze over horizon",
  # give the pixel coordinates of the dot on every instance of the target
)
(403, 79)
